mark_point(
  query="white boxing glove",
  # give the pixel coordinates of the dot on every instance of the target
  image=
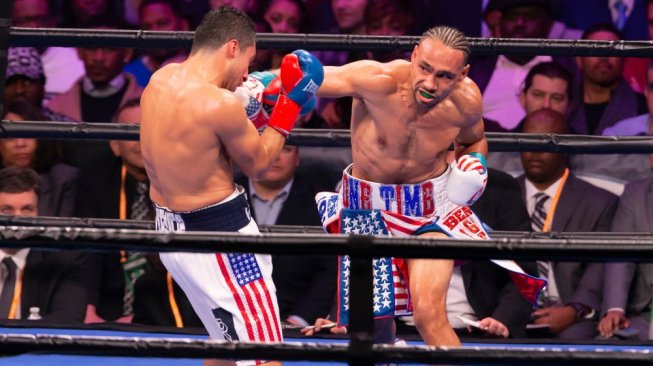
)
(253, 94)
(467, 179)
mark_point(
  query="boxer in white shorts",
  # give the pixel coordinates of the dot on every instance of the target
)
(193, 129)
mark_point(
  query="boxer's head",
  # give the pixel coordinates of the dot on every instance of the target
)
(231, 33)
(438, 64)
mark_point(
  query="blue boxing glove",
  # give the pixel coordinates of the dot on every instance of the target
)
(301, 76)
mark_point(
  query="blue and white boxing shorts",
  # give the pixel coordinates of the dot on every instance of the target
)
(232, 293)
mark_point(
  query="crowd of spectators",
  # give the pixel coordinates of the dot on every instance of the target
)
(521, 93)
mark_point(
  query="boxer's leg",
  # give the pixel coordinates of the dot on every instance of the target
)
(429, 281)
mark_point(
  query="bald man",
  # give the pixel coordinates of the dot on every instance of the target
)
(558, 201)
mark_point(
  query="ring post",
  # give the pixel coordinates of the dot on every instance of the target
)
(361, 320)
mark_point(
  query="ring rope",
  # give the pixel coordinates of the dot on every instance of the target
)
(580, 248)
(498, 141)
(14, 344)
(68, 37)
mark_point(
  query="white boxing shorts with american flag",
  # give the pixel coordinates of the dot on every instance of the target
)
(364, 207)
(232, 293)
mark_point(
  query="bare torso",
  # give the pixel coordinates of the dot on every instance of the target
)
(393, 140)
(185, 160)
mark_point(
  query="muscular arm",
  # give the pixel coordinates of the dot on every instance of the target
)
(354, 79)
(252, 152)
(470, 104)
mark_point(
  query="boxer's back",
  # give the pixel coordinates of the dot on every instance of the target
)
(184, 158)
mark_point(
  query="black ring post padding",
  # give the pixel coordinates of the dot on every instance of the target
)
(611, 248)
(498, 141)
(62, 37)
(361, 317)
(15, 344)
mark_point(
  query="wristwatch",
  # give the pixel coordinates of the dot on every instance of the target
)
(582, 312)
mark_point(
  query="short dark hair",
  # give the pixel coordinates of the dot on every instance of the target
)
(451, 37)
(602, 27)
(130, 103)
(221, 25)
(18, 180)
(551, 69)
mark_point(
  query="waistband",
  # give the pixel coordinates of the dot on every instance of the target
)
(415, 199)
(230, 214)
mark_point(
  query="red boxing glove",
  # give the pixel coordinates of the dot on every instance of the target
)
(301, 76)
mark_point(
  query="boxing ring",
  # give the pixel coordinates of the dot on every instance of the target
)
(59, 346)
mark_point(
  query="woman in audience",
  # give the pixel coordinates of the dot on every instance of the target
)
(58, 181)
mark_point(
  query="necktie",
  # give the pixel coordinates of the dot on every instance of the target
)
(539, 213)
(544, 267)
(141, 207)
(621, 8)
(8, 287)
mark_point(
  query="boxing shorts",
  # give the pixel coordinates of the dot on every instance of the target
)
(364, 207)
(232, 293)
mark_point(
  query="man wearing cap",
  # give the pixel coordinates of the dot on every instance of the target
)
(26, 81)
(500, 77)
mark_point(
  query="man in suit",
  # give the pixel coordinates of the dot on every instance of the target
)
(558, 201)
(51, 281)
(487, 293)
(628, 287)
(305, 284)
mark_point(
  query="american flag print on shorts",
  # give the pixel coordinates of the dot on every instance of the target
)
(252, 296)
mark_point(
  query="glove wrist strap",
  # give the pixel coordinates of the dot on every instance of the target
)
(284, 115)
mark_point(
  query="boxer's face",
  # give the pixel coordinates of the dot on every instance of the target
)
(19, 204)
(436, 69)
(545, 92)
(239, 68)
(284, 16)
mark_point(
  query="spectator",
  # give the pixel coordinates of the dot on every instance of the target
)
(263, 58)
(78, 13)
(389, 18)
(628, 287)
(285, 16)
(630, 20)
(157, 15)
(500, 78)
(51, 281)
(558, 201)
(95, 98)
(58, 187)
(480, 290)
(639, 125)
(61, 65)
(305, 285)
(547, 85)
(26, 81)
(635, 68)
(604, 96)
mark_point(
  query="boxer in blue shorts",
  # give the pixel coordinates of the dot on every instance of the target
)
(193, 129)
